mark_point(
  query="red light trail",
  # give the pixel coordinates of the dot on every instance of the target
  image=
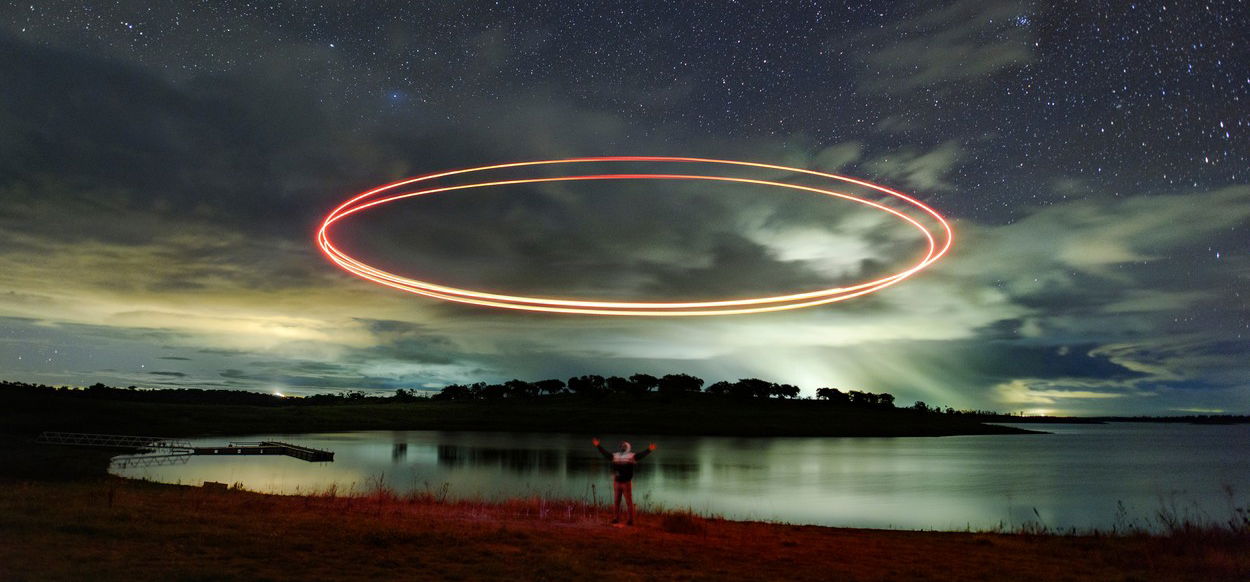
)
(386, 194)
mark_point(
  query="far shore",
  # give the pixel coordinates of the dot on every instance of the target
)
(29, 412)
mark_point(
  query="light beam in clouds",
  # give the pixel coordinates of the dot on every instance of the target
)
(369, 199)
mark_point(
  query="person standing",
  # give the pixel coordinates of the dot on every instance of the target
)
(623, 463)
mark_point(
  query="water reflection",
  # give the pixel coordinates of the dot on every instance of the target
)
(1074, 478)
(513, 460)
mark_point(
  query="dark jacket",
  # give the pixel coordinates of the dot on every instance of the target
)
(623, 465)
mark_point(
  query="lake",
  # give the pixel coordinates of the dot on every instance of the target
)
(1081, 476)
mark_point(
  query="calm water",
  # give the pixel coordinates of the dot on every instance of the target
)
(1075, 477)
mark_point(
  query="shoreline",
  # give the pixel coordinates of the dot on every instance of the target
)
(116, 529)
(82, 523)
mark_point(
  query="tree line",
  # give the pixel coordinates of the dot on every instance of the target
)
(640, 384)
(589, 386)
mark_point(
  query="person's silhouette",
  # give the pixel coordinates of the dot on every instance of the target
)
(623, 462)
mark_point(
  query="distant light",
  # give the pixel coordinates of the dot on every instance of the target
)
(279, 394)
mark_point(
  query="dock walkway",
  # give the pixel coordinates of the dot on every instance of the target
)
(174, 448)
(268, 448)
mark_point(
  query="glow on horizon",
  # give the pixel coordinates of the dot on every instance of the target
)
(651, 309)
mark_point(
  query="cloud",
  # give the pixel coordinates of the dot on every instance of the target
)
(922, 170)
(1026, 392)
(837, 156)
(963, 42)
(1015, 305)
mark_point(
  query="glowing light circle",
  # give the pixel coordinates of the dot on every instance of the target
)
(385, 194)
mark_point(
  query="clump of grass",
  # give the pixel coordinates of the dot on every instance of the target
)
(377, 497)
(683, 522)
(1036, 527)
(429, 494)
(1189, 528)
(1188, 525)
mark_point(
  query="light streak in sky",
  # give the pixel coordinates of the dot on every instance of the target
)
(385, 194)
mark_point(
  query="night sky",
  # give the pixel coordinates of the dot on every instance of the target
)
(163, 167)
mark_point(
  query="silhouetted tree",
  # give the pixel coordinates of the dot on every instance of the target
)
(751, 388)
(885, 400)
(550, 387)
(673, 384)
(720, 388)
(587, 385)
(520, 389)
(833, 395)
(619, 385)
(785, 390)
(491, 391)
(454, 392)
(643, 383)
(476, 389)
(920, 406)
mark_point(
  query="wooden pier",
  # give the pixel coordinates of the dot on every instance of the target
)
(158, 450)
(268, 448)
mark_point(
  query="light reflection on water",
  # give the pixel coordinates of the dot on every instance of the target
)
(1073, 478)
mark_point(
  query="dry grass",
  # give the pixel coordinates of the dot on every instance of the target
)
(113, 529)
(683, 522)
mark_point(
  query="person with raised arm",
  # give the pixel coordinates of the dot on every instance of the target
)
(623, 463)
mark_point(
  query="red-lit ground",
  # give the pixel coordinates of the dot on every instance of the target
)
(397, 191)
(118, 530)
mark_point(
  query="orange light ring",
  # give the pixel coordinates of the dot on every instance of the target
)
(357, 266)
(508, 301)
(554, 305)
(404, 282)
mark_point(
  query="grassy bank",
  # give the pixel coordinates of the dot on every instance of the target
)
(111, 529)
(34, 411)
(62, 518)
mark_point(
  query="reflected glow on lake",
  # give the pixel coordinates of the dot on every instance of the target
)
(1076, 477)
